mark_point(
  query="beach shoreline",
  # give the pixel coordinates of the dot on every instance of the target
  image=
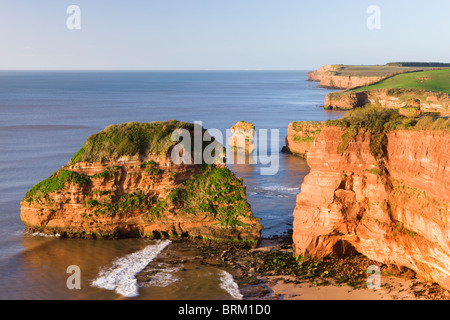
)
(258, 282)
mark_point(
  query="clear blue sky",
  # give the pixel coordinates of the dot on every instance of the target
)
(220, 34)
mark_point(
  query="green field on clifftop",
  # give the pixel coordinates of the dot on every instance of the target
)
(432, 80)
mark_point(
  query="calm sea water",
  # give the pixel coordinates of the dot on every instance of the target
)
(45, 117)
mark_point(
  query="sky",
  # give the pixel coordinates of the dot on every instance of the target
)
(219, 34)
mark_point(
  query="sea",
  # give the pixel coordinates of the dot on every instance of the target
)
(46, 116)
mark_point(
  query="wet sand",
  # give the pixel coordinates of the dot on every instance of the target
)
(281, 287)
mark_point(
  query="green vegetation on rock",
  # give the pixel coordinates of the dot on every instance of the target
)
(433, 123)
(55, 182)
(120, 205)
(130, 139)
(215, 191)
(378, 121)
(306, 131)
(372, 119)
(109, 172)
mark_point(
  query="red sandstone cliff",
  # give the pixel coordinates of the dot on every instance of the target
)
(132, 201)
(398, 214)
(301, 135)
(390, 99)
(329, 77)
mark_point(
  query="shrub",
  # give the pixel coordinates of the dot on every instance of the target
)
(429, 123)
(377, 145)
(424, 123)
(372, 119)
(441, 124)
(346, 137)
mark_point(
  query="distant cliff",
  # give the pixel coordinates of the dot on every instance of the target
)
(383, 193)
(425, 91)
(124, 183)
(329, 77)
(340, 76)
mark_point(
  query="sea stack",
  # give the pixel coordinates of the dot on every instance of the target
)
(124, 183)
(243, 137)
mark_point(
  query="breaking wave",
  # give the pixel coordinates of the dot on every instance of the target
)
(121, 276)
(228, 284)
(274, 191)
(282, 189)
(41, 234)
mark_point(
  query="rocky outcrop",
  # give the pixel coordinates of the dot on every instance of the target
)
(344, 100)
(390, 99)
(394, 210)
(329, 77)
(300, 137)
(140, 195)
(243, 138)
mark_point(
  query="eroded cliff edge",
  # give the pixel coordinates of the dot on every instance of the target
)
(300, 137)
(332, 76)
(385, 195)
(124, 183)
(397, 99)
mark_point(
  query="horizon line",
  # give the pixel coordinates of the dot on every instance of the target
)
(165, 70)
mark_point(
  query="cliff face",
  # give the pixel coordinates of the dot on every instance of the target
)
(243, 138)
(390, 99)
(328, 77)
(301, 135)
(397, 213)
(140, 196)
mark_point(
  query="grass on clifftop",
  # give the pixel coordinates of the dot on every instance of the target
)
(432, 80)
(130, 139)
(378, 121)
(374, 119)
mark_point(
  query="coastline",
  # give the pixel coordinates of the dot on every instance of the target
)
(259, 280)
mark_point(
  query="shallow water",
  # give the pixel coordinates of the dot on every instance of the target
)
(45, 117)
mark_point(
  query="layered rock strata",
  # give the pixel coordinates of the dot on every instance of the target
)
(329, 77)
(394, 210)
(301, 135)
(145, 194)
(390, 99)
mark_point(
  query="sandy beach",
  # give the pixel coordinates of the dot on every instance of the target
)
(401, 284)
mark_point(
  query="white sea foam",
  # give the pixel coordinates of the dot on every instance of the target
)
(121, 276)
(40, 234)
(228, 284)
(273, 191)
(279, 188)
(164, 276)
